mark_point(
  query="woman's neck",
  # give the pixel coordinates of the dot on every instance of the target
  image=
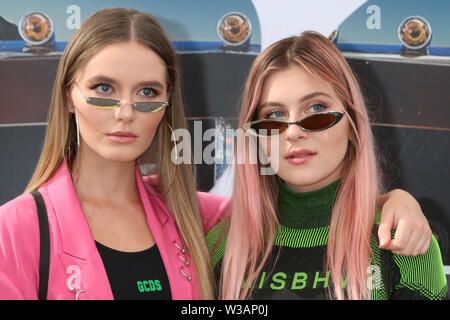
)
(101, 180)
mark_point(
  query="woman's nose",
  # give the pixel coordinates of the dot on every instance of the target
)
(125, 111)
(295, 132)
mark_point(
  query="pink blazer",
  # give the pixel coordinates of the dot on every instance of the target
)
(76, 268)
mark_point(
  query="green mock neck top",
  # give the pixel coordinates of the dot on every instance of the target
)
(305, 210)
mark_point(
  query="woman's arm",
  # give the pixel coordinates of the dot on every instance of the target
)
(421, 277)
(401, 212)
(19, 249)
(213, 208)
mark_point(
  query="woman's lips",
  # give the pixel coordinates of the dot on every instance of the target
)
(300, 156)
(122, 137)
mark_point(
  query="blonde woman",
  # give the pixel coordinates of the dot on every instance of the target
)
(113, 233)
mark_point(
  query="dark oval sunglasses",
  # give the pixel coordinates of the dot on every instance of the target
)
(316, 122)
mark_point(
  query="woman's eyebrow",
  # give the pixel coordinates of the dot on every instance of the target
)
(100, 78)
(152, 84)
(270, 104)
(307, 97)
(315, 94)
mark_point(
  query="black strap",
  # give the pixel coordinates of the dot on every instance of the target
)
(44, 233)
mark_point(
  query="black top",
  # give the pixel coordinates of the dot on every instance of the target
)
(136, 275)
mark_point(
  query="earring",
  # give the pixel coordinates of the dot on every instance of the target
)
(78, 138)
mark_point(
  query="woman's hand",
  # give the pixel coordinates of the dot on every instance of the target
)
(402, 212)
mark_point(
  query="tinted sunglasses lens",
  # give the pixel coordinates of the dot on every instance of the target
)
(268, 128)
(102, 103)
(318, 122)
(149, 106)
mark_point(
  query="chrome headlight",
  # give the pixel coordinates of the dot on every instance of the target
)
(36, 28)
(234, 29)
(414, 32)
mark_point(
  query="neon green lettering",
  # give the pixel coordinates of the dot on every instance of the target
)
(318, 279)
(281, 283)
(261, 281)
(158, 285)
(299, 277)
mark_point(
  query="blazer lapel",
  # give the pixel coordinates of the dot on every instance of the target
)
(83, 265)
(166, 235)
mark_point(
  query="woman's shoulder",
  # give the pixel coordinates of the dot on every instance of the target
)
(18, 220)
(19, 228)
(20, 210)
(214, 209)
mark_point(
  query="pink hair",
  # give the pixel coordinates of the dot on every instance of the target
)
(255, 215)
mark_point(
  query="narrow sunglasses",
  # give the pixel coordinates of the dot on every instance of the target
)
(103, 103)
(316, 122)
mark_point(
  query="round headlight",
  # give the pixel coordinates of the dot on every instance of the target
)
(36, 28)
(414, 32)
(234, 29)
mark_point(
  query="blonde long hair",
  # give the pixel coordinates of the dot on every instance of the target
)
(115, 25)
(254, 219)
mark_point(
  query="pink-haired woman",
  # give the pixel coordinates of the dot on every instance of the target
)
(310, 230)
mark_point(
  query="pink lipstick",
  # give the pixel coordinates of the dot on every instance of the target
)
(122, 137)
(300, 156)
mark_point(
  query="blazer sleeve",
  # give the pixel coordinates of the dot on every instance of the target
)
(214, 209)
(19, 249)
